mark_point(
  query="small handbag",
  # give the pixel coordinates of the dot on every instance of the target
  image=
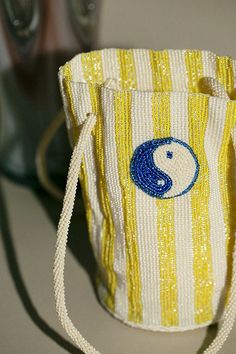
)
(154, 138)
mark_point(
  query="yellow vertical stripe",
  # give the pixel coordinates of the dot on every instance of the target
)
(92, 69)
(227, 188)
(200, 194)
(125, 150)
(161, 77)
(123, 129)
(194, 67)
(225, 74)
(67, 73)
(165, 224)
(161, 74)
(127, 69)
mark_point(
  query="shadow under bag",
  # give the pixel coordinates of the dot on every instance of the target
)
(153, 134)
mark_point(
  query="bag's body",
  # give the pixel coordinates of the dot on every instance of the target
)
(157, 180)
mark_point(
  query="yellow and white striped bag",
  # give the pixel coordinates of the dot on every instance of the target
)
(153, 132)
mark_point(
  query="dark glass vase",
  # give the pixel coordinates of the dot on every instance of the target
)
(36, 37)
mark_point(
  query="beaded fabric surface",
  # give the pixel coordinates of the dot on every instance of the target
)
(176, 176)
(157, 181)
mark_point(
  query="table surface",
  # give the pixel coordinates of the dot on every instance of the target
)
(28, 319)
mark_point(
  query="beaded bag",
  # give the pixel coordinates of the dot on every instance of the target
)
(153, 135)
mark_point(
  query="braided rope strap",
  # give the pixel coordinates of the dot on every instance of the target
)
(62, 235)
(59, 261)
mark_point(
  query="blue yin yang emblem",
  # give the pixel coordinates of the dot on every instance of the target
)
(164, 168)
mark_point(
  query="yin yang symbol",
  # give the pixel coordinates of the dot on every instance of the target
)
(164, 168)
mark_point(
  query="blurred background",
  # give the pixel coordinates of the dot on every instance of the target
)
(36, 37)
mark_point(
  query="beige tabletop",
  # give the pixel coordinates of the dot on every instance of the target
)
(28, 322)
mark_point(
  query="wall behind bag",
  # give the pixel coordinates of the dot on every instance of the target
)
(159, 24)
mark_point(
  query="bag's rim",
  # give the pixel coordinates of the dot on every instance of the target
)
(209, 56)
(108, 90)
(139, 50)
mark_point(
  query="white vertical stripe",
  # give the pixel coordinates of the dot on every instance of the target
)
(110, 64)
(209, 64)
(146, 215)
(89, 161)
(213, 142)
(143, 69)
(68, 122)
(111, 71)
(115, 197)
(234, 71)
(178, 70)
(77, 69)
(183, 226)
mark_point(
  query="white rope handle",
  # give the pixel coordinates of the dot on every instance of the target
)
(62, 235)
(59, 261)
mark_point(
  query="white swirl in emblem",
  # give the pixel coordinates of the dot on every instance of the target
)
(164, 168)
